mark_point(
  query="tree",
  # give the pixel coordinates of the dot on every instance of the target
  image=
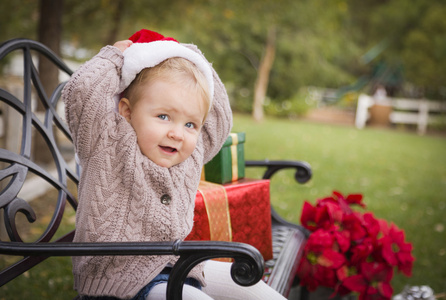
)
(318, 43)
(116, 18)
(49, 34)
(423, 52)
(415, 31)
(312, 46)
(18, 19)
(94, 24)
(261, 84)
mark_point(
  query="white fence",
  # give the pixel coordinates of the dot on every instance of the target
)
(420, 112)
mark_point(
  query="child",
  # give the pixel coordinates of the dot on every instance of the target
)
(145, 116)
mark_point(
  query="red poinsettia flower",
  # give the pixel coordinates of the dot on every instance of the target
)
(360, 252)
(313, 218)
(321, 216)
(351, 251)
(376, 271)
(320, 244)
(321, 260)
(344, 272)
(353, 224)
(371, 224)
(333, 208)
(355, 199)
(342, 239)
(395, 250)
(331, 259)
(320, 240)
(373, 282)
(308, 273)
(346, 202)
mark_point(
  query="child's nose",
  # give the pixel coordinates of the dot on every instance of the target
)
(176, 133)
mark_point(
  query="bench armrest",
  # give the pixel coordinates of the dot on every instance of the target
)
(246, 270)
(302, 175)
(303, 169)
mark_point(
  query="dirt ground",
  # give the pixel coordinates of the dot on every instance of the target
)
(331, 115)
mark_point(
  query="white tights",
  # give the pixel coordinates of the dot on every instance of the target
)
(220, 286)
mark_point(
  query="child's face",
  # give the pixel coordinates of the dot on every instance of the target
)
(167, 119)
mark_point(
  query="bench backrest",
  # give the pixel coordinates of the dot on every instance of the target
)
(33, 127)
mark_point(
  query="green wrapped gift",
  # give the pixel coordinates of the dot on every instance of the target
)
(229, 164)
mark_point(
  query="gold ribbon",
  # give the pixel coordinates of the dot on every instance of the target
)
(234, 156)
(217, 208)
(203, 176)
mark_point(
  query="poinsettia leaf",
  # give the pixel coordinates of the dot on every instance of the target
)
(405, 263)
(334, 212)
(343, 204)
(376, 271)
(356, 283)
(396, 234)
(322, 217)
(319, 240)
(355, 199)
(405, 257)
(361, 252)
(331, 259)
(385, 289)
(307, 218)
(306, 273)
(354, 225)
(371, 224)
(342, 272)
(383, 226)
(406, 247)
(343, 240)
(337, 194)
(305, 268)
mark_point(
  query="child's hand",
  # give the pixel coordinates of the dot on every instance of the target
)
(122, 45)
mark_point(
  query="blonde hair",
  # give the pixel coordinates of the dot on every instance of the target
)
(174, 70)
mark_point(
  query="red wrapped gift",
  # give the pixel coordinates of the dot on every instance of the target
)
(238, 211)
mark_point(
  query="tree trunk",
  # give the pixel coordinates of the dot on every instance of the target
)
(49, 34)
(262, 80)
(117, 14)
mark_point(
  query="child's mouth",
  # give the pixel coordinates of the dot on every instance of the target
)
(168, 149)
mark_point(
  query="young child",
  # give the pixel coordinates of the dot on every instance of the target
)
(145, 115)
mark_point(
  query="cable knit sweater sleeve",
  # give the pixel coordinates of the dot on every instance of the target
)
(219, 121)
(81, 94)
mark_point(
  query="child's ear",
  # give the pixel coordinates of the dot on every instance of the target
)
(125, 109)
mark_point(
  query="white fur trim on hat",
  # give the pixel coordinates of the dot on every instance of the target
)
(146, 55)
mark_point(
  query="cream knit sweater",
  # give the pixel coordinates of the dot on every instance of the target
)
(120, 189)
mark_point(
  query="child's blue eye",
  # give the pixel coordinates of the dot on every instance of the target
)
(163, 117)
(190, 125)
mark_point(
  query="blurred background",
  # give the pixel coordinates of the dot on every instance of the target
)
(281, 57)
(295, 71)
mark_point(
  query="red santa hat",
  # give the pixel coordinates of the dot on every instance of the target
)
(150, 48)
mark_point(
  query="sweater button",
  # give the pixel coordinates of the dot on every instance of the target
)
(166, 199)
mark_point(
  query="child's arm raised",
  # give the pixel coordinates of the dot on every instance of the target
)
(90, 93)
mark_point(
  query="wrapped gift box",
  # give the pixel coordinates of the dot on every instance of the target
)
(229, 164)
(239, 211)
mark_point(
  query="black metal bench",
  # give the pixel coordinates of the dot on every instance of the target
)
(18, 166)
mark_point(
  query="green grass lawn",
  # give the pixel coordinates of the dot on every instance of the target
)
(401, 175)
